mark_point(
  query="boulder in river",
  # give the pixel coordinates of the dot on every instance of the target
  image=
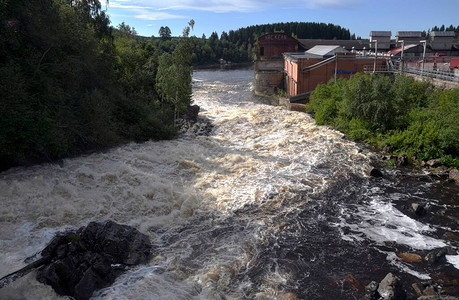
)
(371, 291)
(409, 257)
(374, 172)
(390, 288)
(454, 175)
(435, 255)
(419, 209)
(92, 257)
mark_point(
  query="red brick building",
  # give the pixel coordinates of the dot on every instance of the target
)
(305, 70)
(272, 45)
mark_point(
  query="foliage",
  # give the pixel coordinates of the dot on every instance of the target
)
(410, 117)
(165, 33)
(70, 83)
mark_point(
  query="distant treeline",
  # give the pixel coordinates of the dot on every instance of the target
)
(70, 83)
(238, 45)
(300, 30)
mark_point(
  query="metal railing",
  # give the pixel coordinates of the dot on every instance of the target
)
(442, 75)
(379, 69)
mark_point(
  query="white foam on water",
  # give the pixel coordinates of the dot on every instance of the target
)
(397, 262)
(454, 260)
(257, 156)
(381, 222)
(149, 283)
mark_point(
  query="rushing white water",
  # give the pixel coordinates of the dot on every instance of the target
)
(208, 203)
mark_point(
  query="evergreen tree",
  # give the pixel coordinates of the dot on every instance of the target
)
(165, 33)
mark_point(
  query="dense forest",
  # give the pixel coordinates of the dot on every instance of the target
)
(404, 116)
(70, 83)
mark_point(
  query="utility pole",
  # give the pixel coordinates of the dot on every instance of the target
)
(423, 55)
(376, 55)
(336, 64)
(401, 56)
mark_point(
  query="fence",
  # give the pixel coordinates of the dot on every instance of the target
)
(442, 75)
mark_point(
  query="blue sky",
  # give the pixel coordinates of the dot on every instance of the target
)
(359, 16)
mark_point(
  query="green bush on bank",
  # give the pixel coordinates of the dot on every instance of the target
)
(412, 118)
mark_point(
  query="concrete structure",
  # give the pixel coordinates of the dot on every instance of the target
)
(409, 37)
(442, 40)
(269, 67)
(382, 38)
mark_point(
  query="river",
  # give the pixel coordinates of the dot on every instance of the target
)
(267, 206)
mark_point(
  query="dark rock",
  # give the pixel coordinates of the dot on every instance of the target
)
(371, 291)
(375, 172)
(433, 163)
(440, 173)
(438, 297)
(402, 160)
(419, 209)
(454, 175)
(191, 113)
(429, 291)
(417, 289)
(390, 288)
(435, 255)
(92, 257)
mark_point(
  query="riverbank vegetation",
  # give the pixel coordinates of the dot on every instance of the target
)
(398, 114)
(70, 83)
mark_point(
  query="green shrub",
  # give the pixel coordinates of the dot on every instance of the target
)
(324, 102)
(411, 117)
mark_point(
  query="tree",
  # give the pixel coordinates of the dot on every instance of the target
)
(174, 76)
(165, 33)
(127, 30)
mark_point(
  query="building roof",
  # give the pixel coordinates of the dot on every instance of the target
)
(294, 56)
(409, 34)
(381, 33)
(348, 44)
(443, 33)
(326, 50)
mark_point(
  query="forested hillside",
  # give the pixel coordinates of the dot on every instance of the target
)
(70, 83)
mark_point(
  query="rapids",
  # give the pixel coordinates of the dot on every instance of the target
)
(268, 206)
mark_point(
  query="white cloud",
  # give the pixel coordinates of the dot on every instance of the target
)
(155, 16)
(155, 10)
(141, 10)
